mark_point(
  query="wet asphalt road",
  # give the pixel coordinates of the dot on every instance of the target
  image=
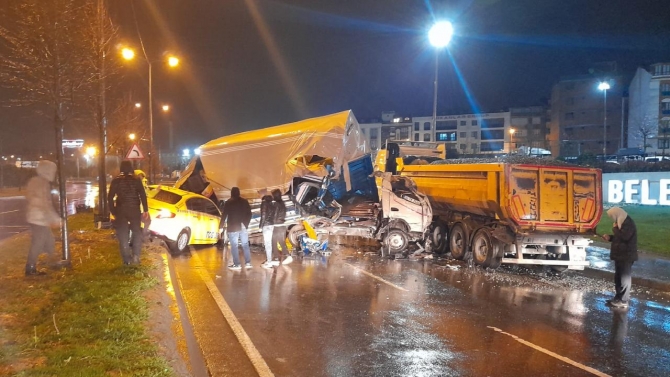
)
(354, 314)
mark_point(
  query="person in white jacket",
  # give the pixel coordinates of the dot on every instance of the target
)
(41, 215)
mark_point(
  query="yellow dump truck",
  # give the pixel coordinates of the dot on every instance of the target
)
(505, 212)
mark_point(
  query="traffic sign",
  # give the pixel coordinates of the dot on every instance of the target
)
(135, 153)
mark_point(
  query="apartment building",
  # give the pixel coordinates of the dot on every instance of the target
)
(649, 115)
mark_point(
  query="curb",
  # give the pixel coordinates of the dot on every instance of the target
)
(637, 280)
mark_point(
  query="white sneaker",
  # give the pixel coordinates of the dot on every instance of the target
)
(275, 262)
(267, 264)
(234, 267)
(248, 266)
(288, 260)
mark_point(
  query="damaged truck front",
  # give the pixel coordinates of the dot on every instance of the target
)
(324, 169)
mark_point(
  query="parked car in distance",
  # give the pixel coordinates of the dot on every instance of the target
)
(182, 218)
(656, 158)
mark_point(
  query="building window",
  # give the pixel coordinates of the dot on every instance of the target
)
(364, 131)
(665, 106)
(464, 135)
(426, 126)
(462, 147)
(445, 136)
(493, 123)
(493, 134)
(464, 123)
(665, 89)
(474, 122)
(416, 126)
(416, 136)
(663, 143)
(475, 134)
(444, 125)
(426, 137)
(474, 147)
(569, 116)
(492, 146)
(402, 133)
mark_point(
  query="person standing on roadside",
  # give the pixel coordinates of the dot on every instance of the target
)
(623, 252)
(237, 211)
(129, 193)
(41, 215)
(267, 226)
(279, 230)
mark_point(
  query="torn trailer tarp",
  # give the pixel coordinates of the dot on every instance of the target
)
(270, 158)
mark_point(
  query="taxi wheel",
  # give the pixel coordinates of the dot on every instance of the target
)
(181, 244)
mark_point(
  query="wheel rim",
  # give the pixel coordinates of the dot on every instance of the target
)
(457, 241)
(182, 242)
(481, 247)
(396, 241)
(438, 237)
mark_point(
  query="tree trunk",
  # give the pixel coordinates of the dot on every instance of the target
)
(58, 123)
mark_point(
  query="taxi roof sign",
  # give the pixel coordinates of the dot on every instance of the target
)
(135, 153)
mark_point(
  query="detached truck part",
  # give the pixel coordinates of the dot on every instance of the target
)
(509, 213)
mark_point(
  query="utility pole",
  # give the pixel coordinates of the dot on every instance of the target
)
(103, 212)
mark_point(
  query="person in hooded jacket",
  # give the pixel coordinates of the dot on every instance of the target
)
(41, 215)
(623, 252)
(279, 230)
(129, 193)
(237, 215)
(267, 226)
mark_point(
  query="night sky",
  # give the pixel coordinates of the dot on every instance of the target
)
(249, 64)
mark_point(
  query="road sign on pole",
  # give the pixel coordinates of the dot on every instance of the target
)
(135, 153)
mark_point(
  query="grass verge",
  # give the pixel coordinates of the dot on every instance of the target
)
(652, 227)
(87, 321)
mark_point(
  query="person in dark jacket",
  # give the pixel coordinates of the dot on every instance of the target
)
(267, 226)
(129, 193)
(623, 252)
(237, 213)
(279, 230)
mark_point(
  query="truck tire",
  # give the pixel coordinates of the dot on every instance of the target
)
(485, 249)
(458, 242)
(396, 240)
(438, 238)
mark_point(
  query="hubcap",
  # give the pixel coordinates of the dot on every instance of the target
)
(183, 240)
(481, 248)
(396, 241)
(458, 241)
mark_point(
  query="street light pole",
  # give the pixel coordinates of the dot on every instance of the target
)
(439, 36)
(437, 54)
(151, 126)
(604, 86)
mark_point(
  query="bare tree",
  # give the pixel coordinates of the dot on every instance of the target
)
(124, 120)
(646, 130)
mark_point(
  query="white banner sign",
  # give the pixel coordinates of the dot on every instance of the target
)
(637, 188)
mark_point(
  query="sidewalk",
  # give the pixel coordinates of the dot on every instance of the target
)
(12, 192)
(650, 270)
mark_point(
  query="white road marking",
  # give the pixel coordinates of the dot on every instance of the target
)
(552, 354)
(377, 277)
(2, 213)
(254, 356)
(14, 226)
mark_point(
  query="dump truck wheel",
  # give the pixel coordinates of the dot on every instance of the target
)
(561, 257)
(458, 242)
(485, 249)
(438, 237)
(396, 240)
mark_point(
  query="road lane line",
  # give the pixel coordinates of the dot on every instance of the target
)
(552, 354)
(377, 277)
(252, 352)
(2, 213)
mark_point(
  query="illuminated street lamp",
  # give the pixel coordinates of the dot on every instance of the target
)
(131, 136)
(511, 138)
(166, 108)
(91, 151)
(172, 61)
(439, 36)
(138, 105)
(604, 86)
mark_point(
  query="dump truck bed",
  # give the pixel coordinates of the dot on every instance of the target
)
(528, 197)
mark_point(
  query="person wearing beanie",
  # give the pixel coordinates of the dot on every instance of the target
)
(126, 194)
(41, 215)
(237, 215)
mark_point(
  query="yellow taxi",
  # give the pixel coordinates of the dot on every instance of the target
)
(182, 218)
